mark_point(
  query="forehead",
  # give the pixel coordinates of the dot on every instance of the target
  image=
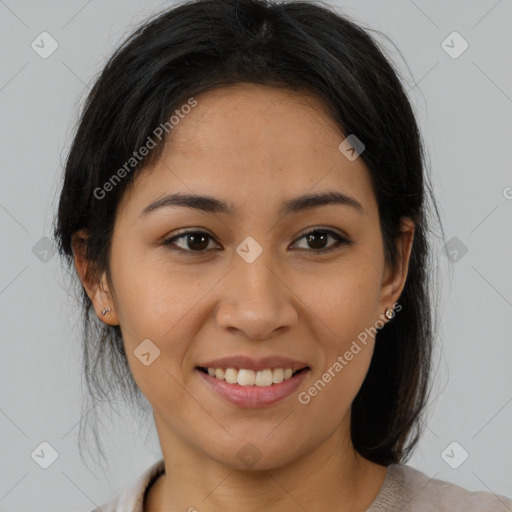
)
(254, 142)
(270, 121)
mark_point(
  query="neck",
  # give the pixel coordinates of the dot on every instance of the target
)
(332, 476)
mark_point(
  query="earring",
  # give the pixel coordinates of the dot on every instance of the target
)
(105, 311)
(390, 314)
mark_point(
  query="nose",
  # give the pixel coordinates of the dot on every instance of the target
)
(256, 300)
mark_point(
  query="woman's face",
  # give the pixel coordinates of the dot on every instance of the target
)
(251, 291)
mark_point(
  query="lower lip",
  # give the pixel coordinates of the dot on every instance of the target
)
(254, 396)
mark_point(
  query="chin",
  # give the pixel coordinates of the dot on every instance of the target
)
(256, 453)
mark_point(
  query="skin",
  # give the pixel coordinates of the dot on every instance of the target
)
(254, 146)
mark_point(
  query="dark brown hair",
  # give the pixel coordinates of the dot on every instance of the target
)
(202, 45)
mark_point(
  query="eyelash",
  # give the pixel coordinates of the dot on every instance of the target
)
(340, 241)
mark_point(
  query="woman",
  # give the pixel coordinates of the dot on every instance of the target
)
(246, 208)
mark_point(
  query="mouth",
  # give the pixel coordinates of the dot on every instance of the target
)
(249, 388)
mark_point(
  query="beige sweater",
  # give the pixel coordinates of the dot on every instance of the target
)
(405, 489)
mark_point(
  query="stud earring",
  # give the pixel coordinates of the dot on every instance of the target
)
(105, 311)
(390, 314)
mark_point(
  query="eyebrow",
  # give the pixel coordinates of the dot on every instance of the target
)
(213, 205)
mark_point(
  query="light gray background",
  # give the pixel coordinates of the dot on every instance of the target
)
(464, 106)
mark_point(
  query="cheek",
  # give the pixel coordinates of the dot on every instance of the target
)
(347, 352)
(346, 303)
(345, 299)
(151, 305)
(153, 295)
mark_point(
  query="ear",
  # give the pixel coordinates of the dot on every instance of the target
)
(393, 280)
(97, 287)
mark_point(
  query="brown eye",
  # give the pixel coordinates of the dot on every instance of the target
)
(317, 240)
(193, 241)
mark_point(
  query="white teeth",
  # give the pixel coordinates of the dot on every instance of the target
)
(244, 377)
(230, 375)
(263, 378)
(277, 375)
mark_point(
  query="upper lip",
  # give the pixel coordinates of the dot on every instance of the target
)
(249, 363)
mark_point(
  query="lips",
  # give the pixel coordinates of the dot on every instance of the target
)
(248, 382)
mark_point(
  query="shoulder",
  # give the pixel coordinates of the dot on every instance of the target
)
(132, 498)
(412, 490)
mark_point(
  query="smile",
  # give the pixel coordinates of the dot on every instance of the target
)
(250, 388)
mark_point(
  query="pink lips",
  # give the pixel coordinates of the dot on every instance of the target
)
(254, 396)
